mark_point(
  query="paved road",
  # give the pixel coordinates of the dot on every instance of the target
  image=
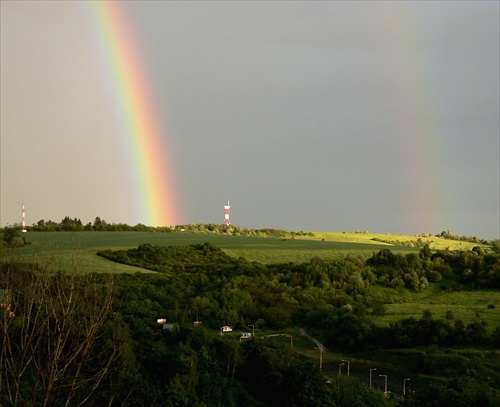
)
(318, 343)
(377, 382)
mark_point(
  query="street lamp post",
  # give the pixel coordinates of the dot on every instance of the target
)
(348, 368)
(371, 370)
(253, 330)
(320, 357)
(404, 386)
(338, 381)
(385, 387)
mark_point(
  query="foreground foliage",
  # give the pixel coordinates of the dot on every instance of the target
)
(96, 340)
(59, 337)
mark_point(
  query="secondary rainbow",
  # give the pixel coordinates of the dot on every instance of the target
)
(417, 114)
(133, 101)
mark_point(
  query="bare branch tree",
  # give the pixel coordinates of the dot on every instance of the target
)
(59, 335)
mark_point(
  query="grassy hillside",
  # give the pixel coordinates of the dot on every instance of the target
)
(79, 248)
(334, 302)
(84, 245)
(435, 243)
(468, 306)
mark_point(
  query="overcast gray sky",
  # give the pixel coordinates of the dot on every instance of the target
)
(333, 116)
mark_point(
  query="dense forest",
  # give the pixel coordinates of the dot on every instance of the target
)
(317, 294)
(95, 339)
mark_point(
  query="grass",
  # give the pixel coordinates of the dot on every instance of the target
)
(435, 243)
(260, 249)
(468, 306)
(78, 249)
(66, 250)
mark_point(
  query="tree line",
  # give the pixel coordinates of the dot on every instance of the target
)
(75, 224)
(68, 224)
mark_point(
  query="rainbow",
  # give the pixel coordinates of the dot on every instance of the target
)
(141, 133)
(428, 193)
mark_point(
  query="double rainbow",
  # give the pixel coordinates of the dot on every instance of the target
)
(416, 112)
(418, 117)
(141, 132)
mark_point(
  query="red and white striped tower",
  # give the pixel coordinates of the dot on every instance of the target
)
(24, 220)
(226, 214)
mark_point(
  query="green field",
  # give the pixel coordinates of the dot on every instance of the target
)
(468, 306)
(65, 250)
(78, 251)
(390, 240)
(82, 247)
